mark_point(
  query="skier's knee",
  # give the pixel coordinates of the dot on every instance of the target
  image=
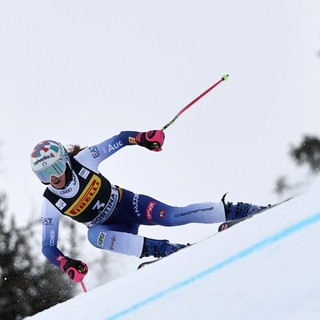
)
(97, 236)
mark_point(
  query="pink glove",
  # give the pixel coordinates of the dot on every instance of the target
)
(152, 140)
(75, 269)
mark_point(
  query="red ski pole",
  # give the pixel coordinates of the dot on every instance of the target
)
(83, 286)
(225, 77)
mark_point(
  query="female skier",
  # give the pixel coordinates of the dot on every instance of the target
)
(112, 214)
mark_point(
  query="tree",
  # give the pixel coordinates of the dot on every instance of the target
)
(307, 153)
(24, 280)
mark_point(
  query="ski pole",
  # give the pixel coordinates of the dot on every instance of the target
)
(83, 286)
(224, 78)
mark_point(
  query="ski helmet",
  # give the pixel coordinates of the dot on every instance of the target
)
(49, 158)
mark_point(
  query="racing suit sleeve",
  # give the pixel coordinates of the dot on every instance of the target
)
(50, 218)
(92, 156)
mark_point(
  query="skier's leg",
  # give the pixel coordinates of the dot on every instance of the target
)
(141, 209)
(114, 239)
(137, 209)
(153, 211)
(144, 210)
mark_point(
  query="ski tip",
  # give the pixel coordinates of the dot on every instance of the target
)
(225, 77)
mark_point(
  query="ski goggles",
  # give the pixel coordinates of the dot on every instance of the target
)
(57, 169)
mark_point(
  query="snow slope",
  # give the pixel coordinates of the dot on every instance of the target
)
(264, 268)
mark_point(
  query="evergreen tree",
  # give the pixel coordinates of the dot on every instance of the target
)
(27, 285)
(306, 153)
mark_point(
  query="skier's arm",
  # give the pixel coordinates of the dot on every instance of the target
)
(50, 218)
(75, 269)
(94, 155)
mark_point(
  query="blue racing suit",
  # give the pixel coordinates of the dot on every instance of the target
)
(112, 214)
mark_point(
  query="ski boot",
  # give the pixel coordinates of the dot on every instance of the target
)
(240, 209)
(159, 248)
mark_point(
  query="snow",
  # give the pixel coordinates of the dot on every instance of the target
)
(264, 268)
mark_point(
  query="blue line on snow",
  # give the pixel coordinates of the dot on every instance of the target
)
(240, 255)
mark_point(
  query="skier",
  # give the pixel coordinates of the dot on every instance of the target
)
(77, 189)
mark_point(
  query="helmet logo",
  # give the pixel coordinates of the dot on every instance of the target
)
(40, 160)
(44, 146)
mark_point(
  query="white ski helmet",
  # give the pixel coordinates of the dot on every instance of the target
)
(49, 158)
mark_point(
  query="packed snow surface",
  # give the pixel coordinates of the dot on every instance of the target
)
(264, 268)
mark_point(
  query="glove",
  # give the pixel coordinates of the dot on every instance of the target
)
(152, 140)
(75, 269)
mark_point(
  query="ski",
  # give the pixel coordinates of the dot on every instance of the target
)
(228, 224)
(143, 264)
